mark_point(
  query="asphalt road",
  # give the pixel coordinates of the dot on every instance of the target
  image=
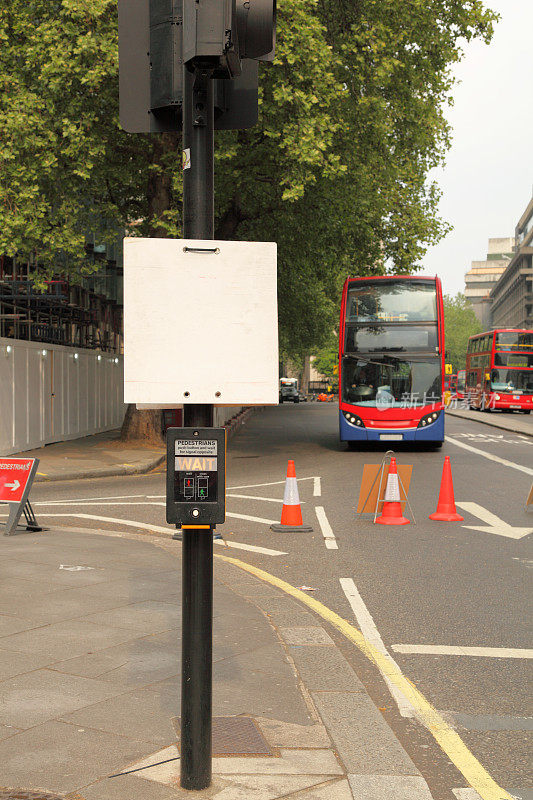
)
(443, 585)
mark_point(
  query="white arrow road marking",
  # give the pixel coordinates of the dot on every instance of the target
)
(317, 488)
(494, 524)
(13, 486)
(371, 633)
(327, 531)
(160, 529)
(449, 650)
(499, 460)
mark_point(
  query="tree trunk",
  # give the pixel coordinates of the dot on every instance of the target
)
(147, 426)
(306, 374)
(142, 426)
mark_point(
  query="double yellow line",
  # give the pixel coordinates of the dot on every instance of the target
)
(447, 739)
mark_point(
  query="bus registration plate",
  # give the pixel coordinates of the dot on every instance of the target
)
(391, 437)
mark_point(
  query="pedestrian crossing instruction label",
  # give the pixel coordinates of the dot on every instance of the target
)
(198, 447)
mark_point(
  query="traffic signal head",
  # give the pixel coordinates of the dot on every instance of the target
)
(222, 33)
(157, 38)
(256, 29)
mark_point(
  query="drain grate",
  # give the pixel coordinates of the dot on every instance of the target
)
(235, 736)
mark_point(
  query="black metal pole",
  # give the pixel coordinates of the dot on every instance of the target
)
(197, 548)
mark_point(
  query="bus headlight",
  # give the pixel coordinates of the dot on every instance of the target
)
(353, 419)
(429, 419)
(496, 396)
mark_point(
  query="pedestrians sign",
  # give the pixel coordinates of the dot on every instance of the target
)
(196, 476)
(16, 479)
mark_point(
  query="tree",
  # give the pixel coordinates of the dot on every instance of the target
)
(351, 121)
(460, 323)
(326, 361)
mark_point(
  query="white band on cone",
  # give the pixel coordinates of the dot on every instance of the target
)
(392, 492)
(291, 497)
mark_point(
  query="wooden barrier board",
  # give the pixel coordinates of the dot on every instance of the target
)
(370, 473)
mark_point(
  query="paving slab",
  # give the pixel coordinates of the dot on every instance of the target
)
(143, 714)
(8, 730)
(149, 616)
(326, 669)
(130, 787)
(338, 790)
(140, 662)
(391, 787)
(307, 635)
(349, 717)
(67, 638)
(12, 663)
(36, 697)
(61, 757)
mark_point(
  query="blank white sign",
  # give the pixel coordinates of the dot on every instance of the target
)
(200, 322)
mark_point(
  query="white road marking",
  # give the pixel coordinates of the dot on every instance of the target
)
(371, 633)
(494, 523)
(448, 650)
(100, 503)
(327, 531)
(490, 457)
(250, 497)
(252, 519)
(160, 529)
(84, 500)
(253, 548)
(127, 522)
(272, 483)
(317, 488)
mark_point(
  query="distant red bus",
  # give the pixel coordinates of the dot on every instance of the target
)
(461, 384)
(391, 360)
(499, 370)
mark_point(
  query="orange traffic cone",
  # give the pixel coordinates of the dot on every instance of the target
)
(291, 513)
(446, 511)
(391, 513)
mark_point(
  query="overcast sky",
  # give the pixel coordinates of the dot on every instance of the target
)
(488, 178)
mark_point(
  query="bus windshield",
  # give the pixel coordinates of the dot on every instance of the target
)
(388, 381)
(392, 301)
(512, 380)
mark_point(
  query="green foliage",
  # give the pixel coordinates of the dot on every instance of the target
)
(351, 120)
(327, 360)
(460, 323)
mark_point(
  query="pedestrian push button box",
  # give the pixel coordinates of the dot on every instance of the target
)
(196, 476)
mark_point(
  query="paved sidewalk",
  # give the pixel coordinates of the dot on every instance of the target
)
(104, 455)
(98, 456)
(516, 423)
(89, 682)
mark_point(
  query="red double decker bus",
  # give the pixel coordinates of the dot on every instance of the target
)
(391, 360)
(499, 370)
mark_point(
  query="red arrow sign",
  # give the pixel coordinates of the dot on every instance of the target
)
(14, 475)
